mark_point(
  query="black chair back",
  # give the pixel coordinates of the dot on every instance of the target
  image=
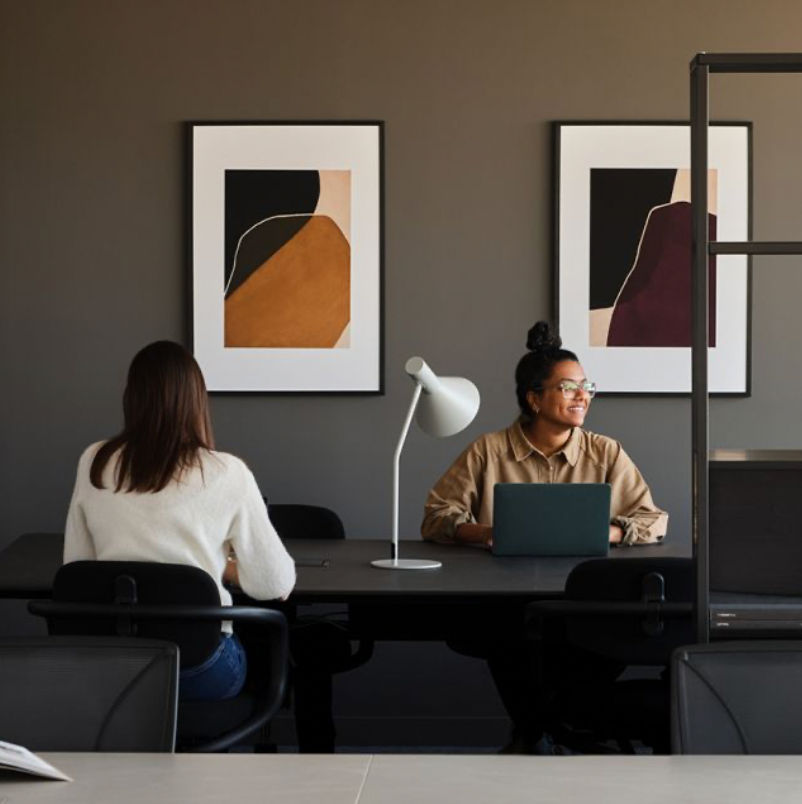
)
(88, 693)
(141, 583)
(647, 637)
(127, 597)
(305, 522)
(737, 698)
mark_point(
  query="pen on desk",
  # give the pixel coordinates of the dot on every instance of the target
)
(313, 562)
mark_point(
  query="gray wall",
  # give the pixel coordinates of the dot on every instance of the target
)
(92, 229)
(94, 94)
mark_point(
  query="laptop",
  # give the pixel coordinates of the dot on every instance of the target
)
(551, 519)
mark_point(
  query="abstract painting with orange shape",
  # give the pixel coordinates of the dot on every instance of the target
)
(286, 278)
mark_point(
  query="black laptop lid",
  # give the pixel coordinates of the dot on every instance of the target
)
(551, 519)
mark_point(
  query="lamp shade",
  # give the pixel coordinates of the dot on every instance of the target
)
(447, 404)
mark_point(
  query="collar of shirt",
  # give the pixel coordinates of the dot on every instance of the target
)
(522, 449)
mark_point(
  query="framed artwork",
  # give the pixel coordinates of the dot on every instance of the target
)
(623, 254)
(286, 255)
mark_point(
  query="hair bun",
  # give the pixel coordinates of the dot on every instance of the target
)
(541, 339)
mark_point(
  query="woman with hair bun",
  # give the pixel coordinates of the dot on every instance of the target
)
(546, 444)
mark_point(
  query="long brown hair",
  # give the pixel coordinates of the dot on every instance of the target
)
(167, 424)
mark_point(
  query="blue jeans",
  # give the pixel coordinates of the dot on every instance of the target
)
(221, 676)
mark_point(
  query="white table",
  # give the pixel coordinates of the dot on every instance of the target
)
(385, 779)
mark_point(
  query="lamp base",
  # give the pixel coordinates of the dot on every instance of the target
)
(406, 564)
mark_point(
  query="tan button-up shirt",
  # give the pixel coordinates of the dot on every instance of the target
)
(465, 492)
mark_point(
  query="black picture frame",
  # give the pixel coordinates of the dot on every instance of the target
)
(621, 367)
(285, 255)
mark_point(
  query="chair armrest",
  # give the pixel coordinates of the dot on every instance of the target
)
(253, 614)
(601, 608)
(653, 613)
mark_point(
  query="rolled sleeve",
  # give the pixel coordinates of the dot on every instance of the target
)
(453, 501)
(632, 507)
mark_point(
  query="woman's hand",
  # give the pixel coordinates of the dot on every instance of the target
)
(616, 534)
(471, 533)
(231, 573)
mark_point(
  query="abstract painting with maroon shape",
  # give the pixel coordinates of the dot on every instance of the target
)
(640, 257)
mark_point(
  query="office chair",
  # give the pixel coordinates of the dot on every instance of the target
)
(737, 698)
(293, 521)
(83, 693)
(305, 521)
(179, 604)
(617, 613)
(321, 646)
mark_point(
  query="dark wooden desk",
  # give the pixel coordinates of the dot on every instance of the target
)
(28, 565)
(471, 592)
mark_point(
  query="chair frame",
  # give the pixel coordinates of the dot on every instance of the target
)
(128, 614)
(90, 654)
(652, 609)
(685, 739)
(365, 646)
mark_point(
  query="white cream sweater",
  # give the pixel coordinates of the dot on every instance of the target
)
(194, 520)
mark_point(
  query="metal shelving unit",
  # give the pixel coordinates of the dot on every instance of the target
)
(701, 67)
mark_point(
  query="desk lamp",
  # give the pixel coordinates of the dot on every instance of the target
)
(445, 405)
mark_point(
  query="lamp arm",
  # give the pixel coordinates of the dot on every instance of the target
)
(396, 464)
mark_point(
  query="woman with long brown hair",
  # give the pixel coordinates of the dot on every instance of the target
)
(158, 491)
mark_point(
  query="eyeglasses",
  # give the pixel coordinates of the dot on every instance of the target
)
(571, 388)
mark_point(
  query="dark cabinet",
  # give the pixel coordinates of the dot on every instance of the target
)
(756, 521)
